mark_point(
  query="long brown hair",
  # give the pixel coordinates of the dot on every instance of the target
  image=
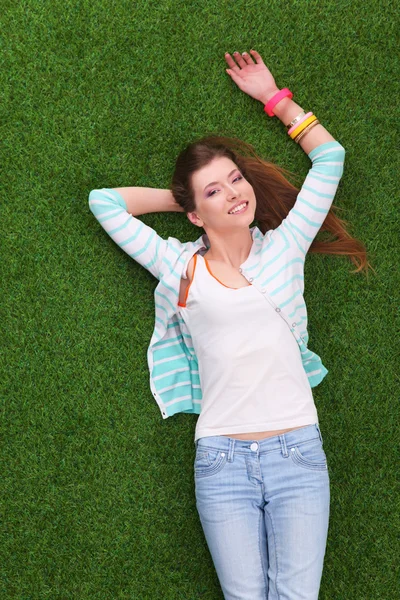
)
(275, 195)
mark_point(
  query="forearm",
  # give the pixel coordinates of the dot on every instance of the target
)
(143, 200)
(286, 110)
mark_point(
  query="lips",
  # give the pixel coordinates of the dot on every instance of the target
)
(239, 211)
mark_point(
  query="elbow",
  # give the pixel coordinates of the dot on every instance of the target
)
(93, 195)
(341, 149)
(342, 155)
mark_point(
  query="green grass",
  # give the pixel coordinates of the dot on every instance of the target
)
(97, 490)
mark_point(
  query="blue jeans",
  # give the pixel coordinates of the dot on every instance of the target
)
(264, 510)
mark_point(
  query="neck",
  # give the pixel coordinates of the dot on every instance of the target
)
(232, 249)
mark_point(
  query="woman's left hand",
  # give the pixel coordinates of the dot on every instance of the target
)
(255, 79)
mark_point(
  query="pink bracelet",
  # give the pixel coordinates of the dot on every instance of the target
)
(309, 114)
(275, 99)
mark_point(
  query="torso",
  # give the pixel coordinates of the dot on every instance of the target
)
(230, 277)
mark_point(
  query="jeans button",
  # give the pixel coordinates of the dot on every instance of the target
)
(254, 446)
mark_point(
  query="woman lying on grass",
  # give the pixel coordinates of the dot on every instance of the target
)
(230, 341)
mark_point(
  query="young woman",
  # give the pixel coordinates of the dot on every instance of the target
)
(230, 341)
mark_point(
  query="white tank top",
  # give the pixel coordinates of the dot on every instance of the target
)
(250, 368)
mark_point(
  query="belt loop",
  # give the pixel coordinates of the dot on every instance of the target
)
(319, 432)
(231, 449)
(285, 452)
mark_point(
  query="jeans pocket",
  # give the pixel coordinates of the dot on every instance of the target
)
(209, 462)
(310, 455)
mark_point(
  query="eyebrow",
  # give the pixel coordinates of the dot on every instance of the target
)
(215, 182)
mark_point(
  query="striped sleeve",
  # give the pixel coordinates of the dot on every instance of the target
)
(316, 196)
(135, 238)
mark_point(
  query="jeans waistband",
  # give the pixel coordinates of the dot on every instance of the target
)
(280, 441)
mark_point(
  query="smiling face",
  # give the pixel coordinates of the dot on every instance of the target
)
(218, 187)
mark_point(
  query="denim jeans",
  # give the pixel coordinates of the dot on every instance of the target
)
(264, 510)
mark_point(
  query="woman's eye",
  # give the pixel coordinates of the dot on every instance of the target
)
(211, 192)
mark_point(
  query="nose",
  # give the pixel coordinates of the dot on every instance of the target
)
(232, 193)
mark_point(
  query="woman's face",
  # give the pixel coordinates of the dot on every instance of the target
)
(218, 187)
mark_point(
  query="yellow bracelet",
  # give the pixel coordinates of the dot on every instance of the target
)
(302, 126)
(304, 132)
(296, 119)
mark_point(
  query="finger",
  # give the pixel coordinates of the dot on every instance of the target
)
(241, 62)
(256, 57)
(233, 66)
(235, 77)
(247, 58)
(230, 60)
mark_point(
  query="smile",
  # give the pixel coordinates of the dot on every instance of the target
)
(242, 210)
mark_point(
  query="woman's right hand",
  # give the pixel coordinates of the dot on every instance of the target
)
(255, 79)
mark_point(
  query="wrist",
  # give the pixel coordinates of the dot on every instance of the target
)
(286, 110)
(267, 97)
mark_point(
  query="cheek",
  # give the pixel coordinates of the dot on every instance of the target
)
(250, 190)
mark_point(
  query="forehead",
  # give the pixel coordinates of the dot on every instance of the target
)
(219, 168)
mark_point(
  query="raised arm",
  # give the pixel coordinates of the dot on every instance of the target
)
(141, 242)
(315, 198)
(143, 200)
(286, 110)
(256, 80)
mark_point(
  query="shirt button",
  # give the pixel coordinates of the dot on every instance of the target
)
(278, 310)
(251, 279)
(294, 324)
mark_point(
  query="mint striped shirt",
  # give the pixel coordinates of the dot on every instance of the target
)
(275, 266)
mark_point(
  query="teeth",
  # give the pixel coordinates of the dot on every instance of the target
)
(238, 208)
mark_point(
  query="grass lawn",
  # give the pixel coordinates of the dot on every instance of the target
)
(97, 494)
